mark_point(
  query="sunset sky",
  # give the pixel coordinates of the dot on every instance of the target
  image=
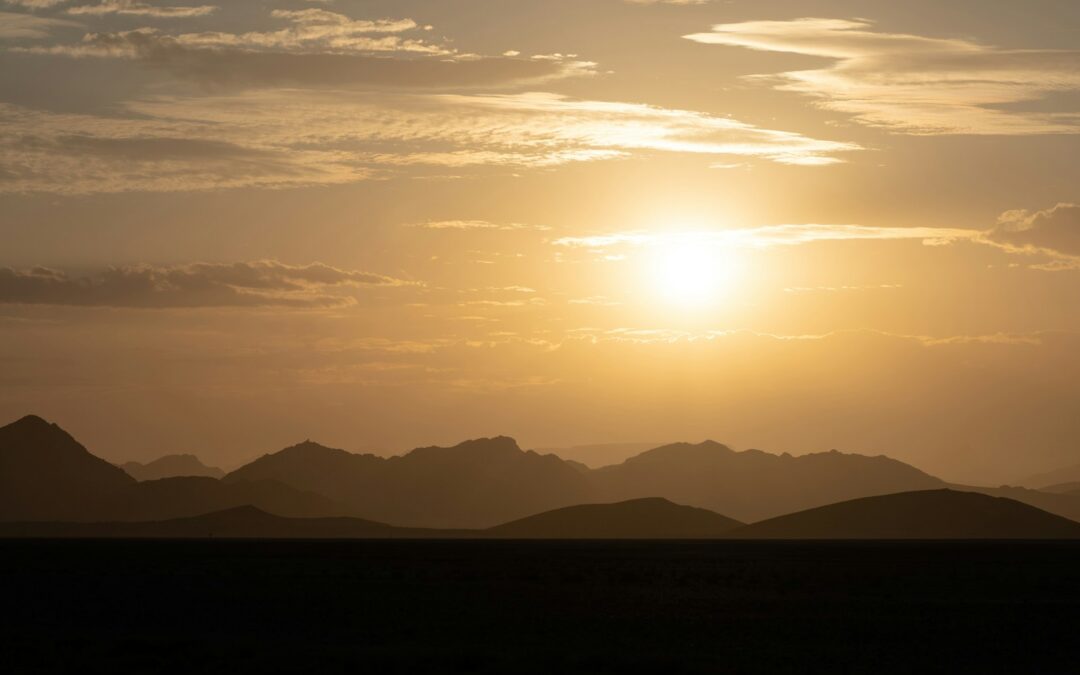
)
(796, 226)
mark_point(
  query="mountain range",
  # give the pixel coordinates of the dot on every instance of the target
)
(488, 486)
(485, 482)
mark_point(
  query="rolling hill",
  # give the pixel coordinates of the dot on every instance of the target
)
(244, 522)
(654, 518)
(930, 514)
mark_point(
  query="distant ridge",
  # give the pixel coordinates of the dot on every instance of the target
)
(1067, 474)
(753, 485)
(931, 514)
(653, 518)
(171, 466)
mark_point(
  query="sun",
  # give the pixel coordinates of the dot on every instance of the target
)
(692, 274)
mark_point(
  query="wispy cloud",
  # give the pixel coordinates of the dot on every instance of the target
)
(35, 4)
(473, 225)
(770, 235)
(243, 284)
(139, 8)
(276, 138)
(77, 154)
(590, 126)
(316, 48)
(915, 84)
(14, 26)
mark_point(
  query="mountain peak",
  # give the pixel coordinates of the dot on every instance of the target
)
(309, 447)
(32, 427)
(497, 446)
(502, 443)
(683, 449)
(31, 422)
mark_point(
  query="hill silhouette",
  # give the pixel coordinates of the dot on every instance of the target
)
(930, 514)
(475, 484)
(653, 518)
(171, 466)
(1063, 503)
(638, 519)
(243, 522)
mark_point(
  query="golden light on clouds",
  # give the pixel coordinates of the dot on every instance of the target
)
(490, 209)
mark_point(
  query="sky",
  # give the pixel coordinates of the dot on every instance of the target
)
(796, 226)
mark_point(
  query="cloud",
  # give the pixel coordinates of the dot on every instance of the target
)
(263, 283)
(35, 4)
(15, 26)
(1054, 232)
(474, 225)
(138, 8)
(279, 138)
(771, 235)
(914, 84)
(79, 154)
(317, 48)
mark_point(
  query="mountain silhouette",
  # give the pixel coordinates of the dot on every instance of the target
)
(753, 485)
(484, 482)
(475, 484)
(179, 497)
(653, 518)
(45, 474)
(171, 466)
(929, 514)
(599, 454)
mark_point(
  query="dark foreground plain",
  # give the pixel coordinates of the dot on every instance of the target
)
(539, 606)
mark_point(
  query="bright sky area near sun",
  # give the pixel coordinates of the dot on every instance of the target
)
(797, 226)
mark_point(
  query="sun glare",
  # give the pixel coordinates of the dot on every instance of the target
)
(692, 274)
